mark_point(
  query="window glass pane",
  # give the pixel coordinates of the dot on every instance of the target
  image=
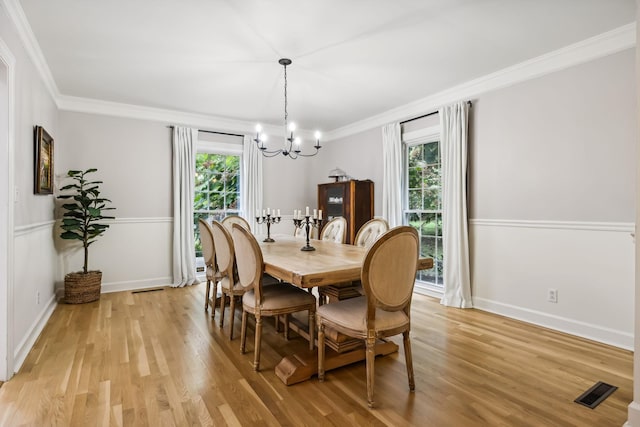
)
(217, 189)
(415, 156)
(415, 199)
(423, 193)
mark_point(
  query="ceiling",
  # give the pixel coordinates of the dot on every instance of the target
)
(351, 59)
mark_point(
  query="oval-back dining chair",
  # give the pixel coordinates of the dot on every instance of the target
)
(225, 258)
(388, 275)
(209, 255)
(259, 300)
(370, 231)
(229, 220)
(335, 230)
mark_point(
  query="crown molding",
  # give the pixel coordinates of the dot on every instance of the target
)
(592, 48)
(19, 19)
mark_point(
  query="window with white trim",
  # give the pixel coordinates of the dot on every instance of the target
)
(423, 203)
(217, 185)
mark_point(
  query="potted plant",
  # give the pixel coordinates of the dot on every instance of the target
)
(83, 213)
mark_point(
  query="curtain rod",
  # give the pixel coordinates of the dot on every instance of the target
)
(427, 115)
(214, 132)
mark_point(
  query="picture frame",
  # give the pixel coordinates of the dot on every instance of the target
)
(43, 180)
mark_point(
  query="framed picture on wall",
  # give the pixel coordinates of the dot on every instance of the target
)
(44, 161)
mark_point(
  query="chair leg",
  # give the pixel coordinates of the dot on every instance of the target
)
(232, 314)
(243, 332)
(223, 298)
(256, 350)
(320, 350)
(408, 359)
(371, 358)
(215, 295)
(206, 296)
(312, 328)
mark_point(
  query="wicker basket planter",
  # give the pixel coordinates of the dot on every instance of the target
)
(80, 288)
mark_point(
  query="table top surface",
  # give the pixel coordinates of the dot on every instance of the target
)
(329, 264)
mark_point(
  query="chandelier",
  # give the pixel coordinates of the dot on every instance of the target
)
(291, 144)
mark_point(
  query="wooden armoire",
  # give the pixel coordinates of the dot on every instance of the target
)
(351, 199)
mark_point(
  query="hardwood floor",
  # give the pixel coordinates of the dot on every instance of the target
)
(157, 358)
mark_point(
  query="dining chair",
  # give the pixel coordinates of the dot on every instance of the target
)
(209, 255)
(370, 231)
(335, 230)
(225, 258)
(265, 301)
(229, 220)
(388, 274)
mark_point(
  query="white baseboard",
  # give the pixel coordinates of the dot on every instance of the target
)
(633, 417)
(23, 349)
(132, 285)
(585, 330)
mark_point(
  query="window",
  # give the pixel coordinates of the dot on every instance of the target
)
(217, 189)
(423, 204)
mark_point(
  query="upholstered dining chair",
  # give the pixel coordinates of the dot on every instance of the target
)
(229, 220)
(261, 301)
(370, 231)
(225, 258)
(335, 230)
(388, 274)
(209, 255)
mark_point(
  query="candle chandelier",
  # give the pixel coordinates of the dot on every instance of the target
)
(291, 144)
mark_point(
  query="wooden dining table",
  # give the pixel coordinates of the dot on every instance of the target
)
(328, 265)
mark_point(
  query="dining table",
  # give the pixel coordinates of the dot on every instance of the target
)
(330, 265)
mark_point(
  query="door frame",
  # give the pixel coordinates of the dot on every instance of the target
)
(7, 237)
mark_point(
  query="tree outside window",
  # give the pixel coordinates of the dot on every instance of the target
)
(217, 190)
(424, 205)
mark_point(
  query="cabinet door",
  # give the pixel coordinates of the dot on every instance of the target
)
(334, 199)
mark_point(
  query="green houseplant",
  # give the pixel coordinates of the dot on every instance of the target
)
(83, 220)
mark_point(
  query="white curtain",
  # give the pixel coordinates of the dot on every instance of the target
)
(251, 192)
(184, 166)
(392, 174)
(455, 232)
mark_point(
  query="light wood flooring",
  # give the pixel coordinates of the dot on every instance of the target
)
(156, 358)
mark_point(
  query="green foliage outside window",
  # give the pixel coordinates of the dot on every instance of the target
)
(424, 205)
(217, 190)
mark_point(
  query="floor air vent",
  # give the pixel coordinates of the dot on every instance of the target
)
(147, 290)
(596, 394)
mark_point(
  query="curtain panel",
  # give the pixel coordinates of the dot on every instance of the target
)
(184, 166)
(392, 174)
(455, 230)
(251, 191)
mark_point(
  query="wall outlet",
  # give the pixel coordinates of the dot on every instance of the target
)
(552, 295)
(38, 297)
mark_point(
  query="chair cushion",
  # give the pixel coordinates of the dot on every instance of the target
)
(279, 297)
(352, 314)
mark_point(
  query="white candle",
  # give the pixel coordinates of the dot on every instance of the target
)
(278, 213)
(320, 214)
(307, 211)
(268, 211)
(257, 213)
(263, 213)
(315, 213)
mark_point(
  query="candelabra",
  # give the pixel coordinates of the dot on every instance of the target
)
(268, 219)
(307, 222)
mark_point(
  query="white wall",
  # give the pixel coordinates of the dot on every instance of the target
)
(133, 158)
(552, 177)
(34, 271)
(552, 186)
